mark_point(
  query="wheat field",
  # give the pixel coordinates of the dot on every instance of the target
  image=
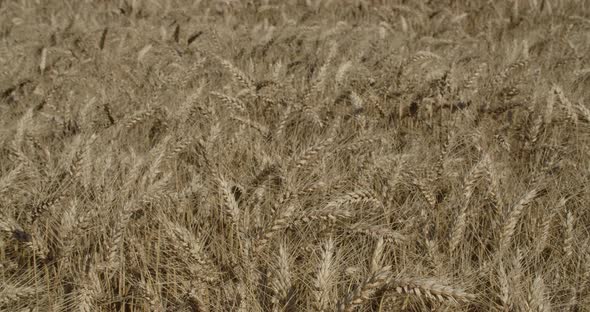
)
(297, 155)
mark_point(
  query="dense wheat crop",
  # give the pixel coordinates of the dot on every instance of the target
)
(294, 155)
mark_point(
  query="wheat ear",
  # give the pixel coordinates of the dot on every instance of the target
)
(363, 292)
(322, 284)
(512, 219)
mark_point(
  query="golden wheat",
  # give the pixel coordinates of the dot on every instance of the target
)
(294, 155)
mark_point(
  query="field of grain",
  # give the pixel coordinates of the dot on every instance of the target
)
(297, 155)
